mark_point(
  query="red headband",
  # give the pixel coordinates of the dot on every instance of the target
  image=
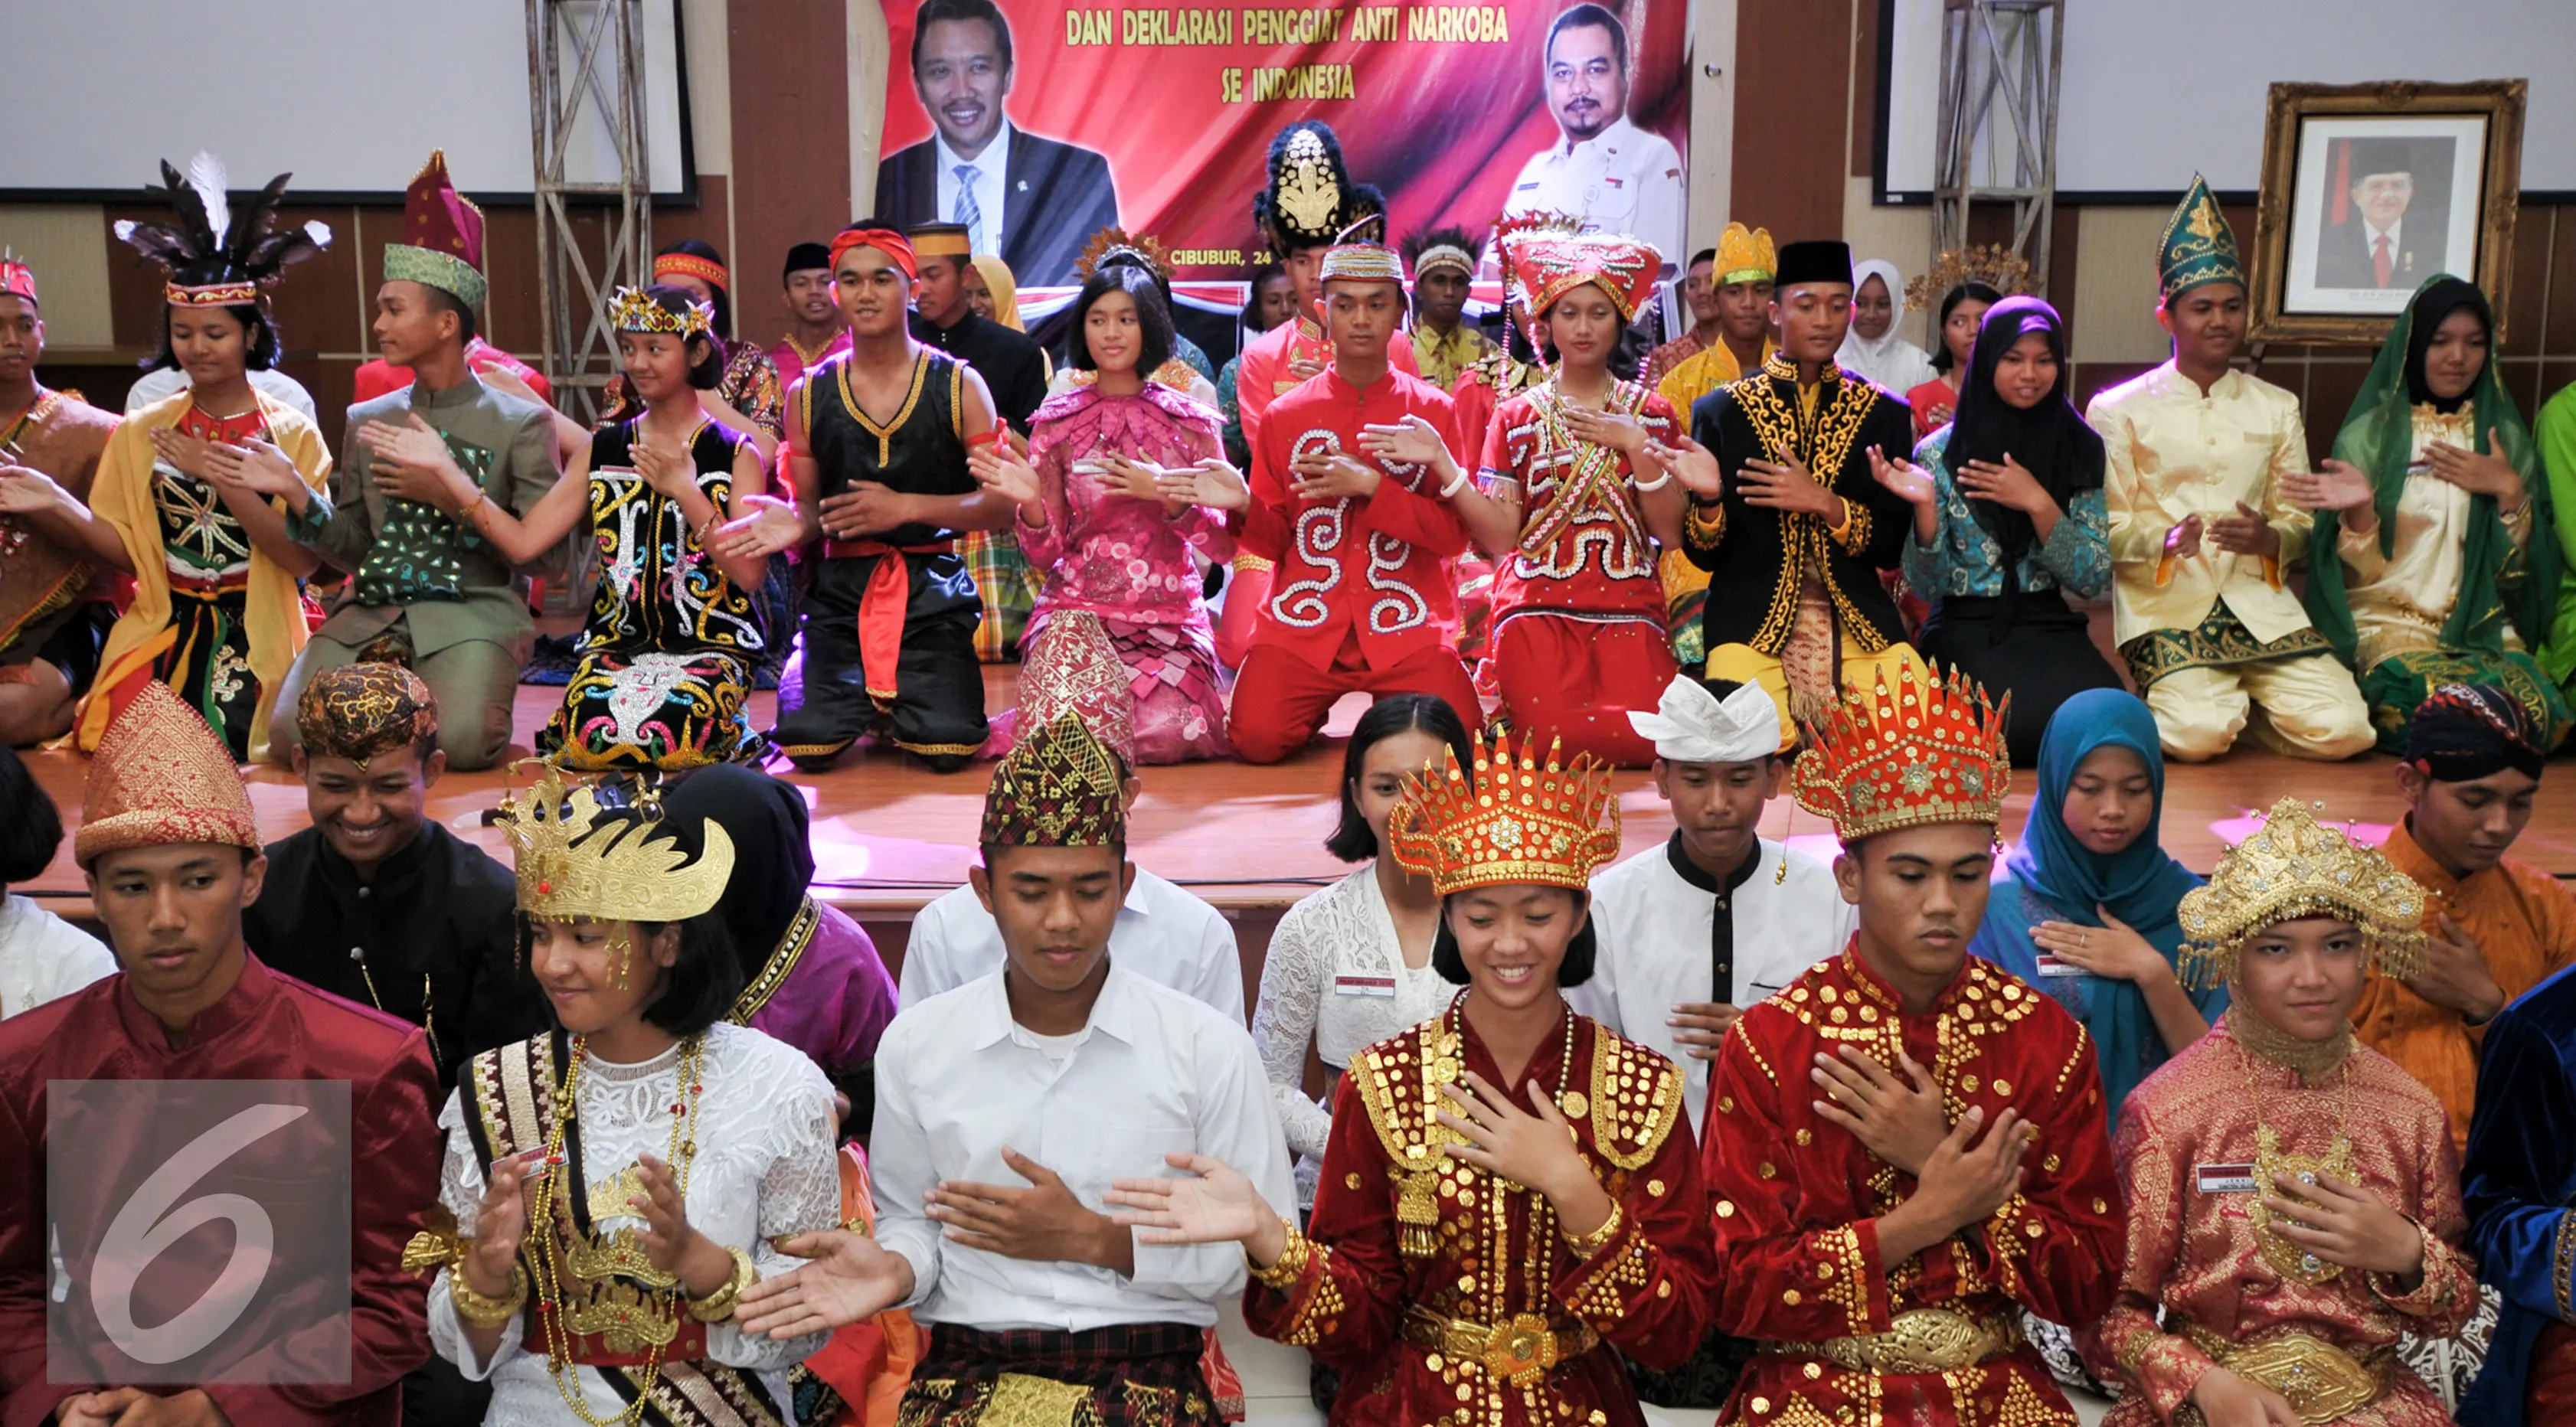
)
(885, 240)
(691, 265)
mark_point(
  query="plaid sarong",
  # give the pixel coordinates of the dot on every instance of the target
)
(1003, 582)
(1126, 1375)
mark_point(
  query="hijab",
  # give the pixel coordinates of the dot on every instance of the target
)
(2051, 439)
(1005, 289)
(2139, 885)
(773, 862)
(1889, 360)
(2378, 438)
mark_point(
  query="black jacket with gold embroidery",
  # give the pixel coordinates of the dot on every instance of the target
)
(1756, 557)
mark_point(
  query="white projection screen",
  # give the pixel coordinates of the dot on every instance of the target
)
(349, 95)
(2153, 90)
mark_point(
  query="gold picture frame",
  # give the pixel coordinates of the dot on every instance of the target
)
(2338, 253)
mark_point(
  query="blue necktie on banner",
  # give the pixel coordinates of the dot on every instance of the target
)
(969, 212)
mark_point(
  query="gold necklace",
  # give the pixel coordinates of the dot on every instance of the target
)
(554, 1183)
(2311, 1060)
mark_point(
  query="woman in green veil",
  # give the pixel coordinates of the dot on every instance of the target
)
(2429, 508)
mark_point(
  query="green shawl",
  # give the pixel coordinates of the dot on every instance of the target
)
(2497, 582)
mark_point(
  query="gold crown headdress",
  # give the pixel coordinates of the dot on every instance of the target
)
(2292, 868)
(1115, 244)
(578, 857)
(1745, 255)
(1516, 821)
(1059, 786)
(1919, 754)
(1993, 264)
(632, 309)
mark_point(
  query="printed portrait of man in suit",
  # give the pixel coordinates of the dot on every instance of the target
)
(1032, 200)
(2387, 217)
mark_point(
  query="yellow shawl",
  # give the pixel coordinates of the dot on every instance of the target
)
(274, 613)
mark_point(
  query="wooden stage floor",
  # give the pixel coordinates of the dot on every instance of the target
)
(889, 836)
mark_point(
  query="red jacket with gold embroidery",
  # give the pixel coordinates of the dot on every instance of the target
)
(1370, 566)
(1412, 1251)
(1798, 1198)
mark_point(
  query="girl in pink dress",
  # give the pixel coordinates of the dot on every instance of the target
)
(1124, 483)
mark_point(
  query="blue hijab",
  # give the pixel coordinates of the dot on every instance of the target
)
(2053, 877)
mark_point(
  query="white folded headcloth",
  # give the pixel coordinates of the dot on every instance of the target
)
(1692, 725)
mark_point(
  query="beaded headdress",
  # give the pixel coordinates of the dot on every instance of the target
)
(1922, 753)
(357, 711)
(1059, 786)
(162, 776)
(579, 857)
(1745, 255)
(1548, 261)
(1114, 245)
(442, 244)
(2197, 247)
(667, 266)
(1076, 670)
(16, 278)
(1443, 250)
(632, 309)
(2294, 867)
(214, 260)
(1515, 821)
(1993, 264)
(1310, 196)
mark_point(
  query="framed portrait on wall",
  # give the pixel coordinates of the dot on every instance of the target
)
(2369, 189)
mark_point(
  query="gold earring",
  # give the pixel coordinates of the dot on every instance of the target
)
(621, 953)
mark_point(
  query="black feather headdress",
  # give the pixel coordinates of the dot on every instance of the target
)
(215, 258)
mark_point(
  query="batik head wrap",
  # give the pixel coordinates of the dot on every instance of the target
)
(162, 776)
(442, 244)
(2464, 732)
(1060, 786)
(357, 711)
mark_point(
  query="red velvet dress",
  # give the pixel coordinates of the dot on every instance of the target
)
(269, 1027)
(1798, 1200)
(1404, 1236)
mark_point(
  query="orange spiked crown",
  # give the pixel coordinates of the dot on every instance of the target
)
(1514, 821)
(1924, 752)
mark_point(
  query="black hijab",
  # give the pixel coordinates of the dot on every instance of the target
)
(773, 864)
(2433, 306)
(2051, 439)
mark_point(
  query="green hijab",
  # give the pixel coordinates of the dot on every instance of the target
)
(2378, 438)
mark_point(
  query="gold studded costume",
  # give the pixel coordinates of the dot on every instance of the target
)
(1447, 1296)
(1845, 1334)
(2247, 1106)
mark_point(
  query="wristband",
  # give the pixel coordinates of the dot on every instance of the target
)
(482, 1312)
(1599, 1239)
(1649, 487)
(1455, 486)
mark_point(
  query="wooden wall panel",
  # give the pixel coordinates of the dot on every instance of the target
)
(1792, 86)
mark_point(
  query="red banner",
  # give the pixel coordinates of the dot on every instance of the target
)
(1159, 117)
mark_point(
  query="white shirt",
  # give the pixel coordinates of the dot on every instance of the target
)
(1621, 180)
(2373, 236)
(1163, 934)
(991, 185)
(163, 383)
(1155, 1073)
(43, 957)
(765, 1168)
(1652, 929)
(1335, 974)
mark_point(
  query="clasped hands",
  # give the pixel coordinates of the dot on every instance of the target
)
(2244, 533)
(1898, 1115)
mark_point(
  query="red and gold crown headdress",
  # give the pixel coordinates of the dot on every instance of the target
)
(1924, 752)
(1118, 245)
(1515, 821)
(16, 278)
(1549, 257)
(1994, 264)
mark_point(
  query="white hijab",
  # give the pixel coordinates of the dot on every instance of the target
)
(1890, 361)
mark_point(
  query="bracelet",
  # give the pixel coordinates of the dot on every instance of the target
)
(716, 1307)
(1455, 486)
(1844, 524)
(1649, 487)
(481, 498)
(1291, 1268)
(1599, 1239)
(483, 1312)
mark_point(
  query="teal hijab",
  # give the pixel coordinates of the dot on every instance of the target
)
(2053, 877)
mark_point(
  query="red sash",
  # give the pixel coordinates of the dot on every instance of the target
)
(882, 606)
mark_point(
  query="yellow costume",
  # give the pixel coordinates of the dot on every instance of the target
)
(2211, 634)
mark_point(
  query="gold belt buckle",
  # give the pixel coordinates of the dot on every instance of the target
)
(1929, 1340)
(1521, 1349)
(2322, 1382)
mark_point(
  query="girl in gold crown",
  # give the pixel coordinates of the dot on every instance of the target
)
(1509, 1192)
(666, 656)
(618, 1182)
(2294, 1201)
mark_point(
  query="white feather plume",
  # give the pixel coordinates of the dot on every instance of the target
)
(206, 175)
(319, 232)
(124, 229)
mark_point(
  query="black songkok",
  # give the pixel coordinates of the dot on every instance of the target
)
(2462, 732)
(1817, 260)
(803, 256)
